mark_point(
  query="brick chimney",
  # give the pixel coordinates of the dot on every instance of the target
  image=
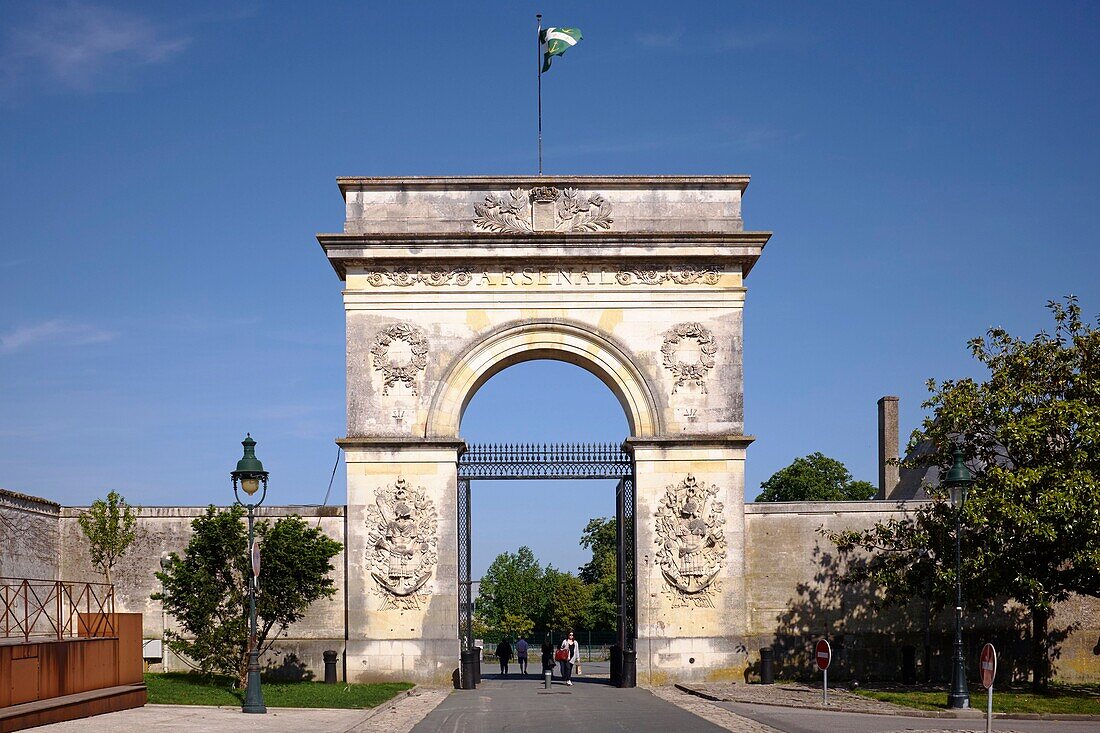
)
(888, 470)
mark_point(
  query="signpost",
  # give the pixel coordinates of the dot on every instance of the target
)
(988, 667)
(823, 654)
(255, 560)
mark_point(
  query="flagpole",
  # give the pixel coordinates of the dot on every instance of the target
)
(538, 65)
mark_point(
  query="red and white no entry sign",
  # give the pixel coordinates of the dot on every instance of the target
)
(988, 665)
(823, 654)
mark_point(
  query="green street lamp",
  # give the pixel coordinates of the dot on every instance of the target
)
(958, 481)
(250, 476)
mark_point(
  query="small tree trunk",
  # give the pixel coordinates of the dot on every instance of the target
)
(1040, 670)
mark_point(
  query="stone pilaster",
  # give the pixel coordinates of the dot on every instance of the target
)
(415, 636)
(683, 635)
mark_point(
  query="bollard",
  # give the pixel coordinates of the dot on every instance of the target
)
(466, 668)
(630, 669)
(767, 666)
(547, 678)
(477, 666)
(330, 666)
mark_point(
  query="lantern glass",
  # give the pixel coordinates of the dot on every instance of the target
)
(958, 494)
(250, 484)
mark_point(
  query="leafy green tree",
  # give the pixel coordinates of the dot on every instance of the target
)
(109, 527)
(568, 601)
(206, 590)
(516, 625)
(599, 574)
(815, 478)
(513, 585)
(1031, 436)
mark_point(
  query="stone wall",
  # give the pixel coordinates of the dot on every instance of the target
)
(161, 530)
(794, 596)
(28, 536)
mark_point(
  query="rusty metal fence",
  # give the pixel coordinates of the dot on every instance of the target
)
(55, 609)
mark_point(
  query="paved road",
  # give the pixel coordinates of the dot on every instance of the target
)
(801, 720)
(591, 705)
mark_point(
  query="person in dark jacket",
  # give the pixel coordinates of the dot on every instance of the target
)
(548, 656)
(504, 655)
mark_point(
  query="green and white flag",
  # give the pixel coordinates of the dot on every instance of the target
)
(556, 41)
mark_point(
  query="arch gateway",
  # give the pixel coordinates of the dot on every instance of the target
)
(639, 280)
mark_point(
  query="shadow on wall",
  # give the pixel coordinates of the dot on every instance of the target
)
(875, 644)
(292, 669)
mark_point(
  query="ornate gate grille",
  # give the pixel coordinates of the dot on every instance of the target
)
(551, 461)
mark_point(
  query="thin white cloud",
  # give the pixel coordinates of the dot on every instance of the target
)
(52, 333)
(670, 39)
(745, 40)
(81, 46)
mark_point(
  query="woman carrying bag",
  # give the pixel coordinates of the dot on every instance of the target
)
(568, 654)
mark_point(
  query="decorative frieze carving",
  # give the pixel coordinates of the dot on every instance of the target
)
(693, 371)
(403, 278)
(691, 542)
(529, 276)
(402, 544)
(392, 370)
(543, 208)
(680, 276)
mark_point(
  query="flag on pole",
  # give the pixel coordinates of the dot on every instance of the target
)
(556, 41)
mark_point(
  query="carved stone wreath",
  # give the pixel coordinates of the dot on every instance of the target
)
(392, 372)
(566, 210)
(693, 372)
(691, 542)
(401, 544)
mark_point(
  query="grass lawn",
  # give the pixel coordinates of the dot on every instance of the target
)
(183, 688)
(1077, 699)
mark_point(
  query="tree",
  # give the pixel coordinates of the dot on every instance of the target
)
(599, 574)
(206, 590)
(513, 585)
(815, 478)
(109, 526)
(1031, 436)
(568, 601)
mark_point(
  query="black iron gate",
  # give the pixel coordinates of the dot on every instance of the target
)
(555, 461)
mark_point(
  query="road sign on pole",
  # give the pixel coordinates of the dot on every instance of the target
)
(988, 667)
(823, 654)
(255, 560)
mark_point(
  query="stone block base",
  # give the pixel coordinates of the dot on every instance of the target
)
(690, 659)
(425, 662)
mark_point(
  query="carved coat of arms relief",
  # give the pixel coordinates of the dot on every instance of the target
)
(402, 544)
(543, 209)
(691, 542)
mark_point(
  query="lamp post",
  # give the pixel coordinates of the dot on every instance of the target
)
(249, 476)
(958, 480)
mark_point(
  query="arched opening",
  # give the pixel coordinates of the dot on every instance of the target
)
(560, 341)
(529, 532)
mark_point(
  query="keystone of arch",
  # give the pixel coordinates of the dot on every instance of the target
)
(561, 341)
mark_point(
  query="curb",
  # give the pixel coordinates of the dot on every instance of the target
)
(973, 713)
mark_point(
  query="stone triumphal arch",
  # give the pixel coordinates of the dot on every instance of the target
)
(637, 279)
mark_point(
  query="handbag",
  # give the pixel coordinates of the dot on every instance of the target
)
(561, 655)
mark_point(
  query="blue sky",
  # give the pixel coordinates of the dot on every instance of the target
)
(929, 170)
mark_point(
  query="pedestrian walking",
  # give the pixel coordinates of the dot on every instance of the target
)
(569, 658)
(548, 656)
(521, 655)
(504, 655)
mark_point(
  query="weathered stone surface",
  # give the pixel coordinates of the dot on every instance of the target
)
(28, 536)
